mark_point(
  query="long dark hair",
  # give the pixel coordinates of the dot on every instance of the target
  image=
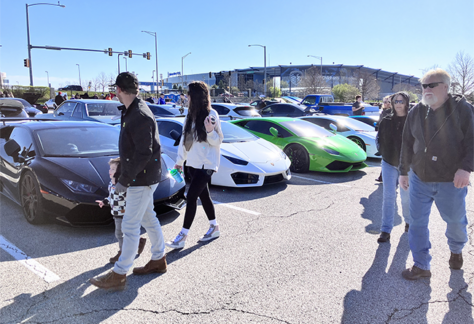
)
(199, 108)
(406, 98)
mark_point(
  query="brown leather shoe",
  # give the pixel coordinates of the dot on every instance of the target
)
(153, 266)
(455, 261)
(110, 280)
(384, 237)
(141, 245)
(415, 273)
(115, 258)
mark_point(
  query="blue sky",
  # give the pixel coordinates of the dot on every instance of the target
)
(400, 36)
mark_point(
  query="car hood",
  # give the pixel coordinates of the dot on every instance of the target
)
(258, 151)
(341, 144)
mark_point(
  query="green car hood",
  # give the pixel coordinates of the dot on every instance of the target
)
(344, 146)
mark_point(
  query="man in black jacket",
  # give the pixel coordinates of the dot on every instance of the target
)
(438, 146)
(140, 156)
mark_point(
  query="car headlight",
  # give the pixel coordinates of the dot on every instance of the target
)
(333, 152)
(235, 161)
(79, 187)
(282, 155)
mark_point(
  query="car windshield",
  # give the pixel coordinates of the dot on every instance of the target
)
(306, 129)
(233, 133)
(355, 125)
(80, 141)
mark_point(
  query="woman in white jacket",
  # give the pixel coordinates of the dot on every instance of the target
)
(200, 148)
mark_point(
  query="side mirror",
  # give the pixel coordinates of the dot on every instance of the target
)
(333, 127)
(176, 136)
(12, 148)
(274, 131)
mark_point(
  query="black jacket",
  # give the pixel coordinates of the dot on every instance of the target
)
(436, 159)
(389, 138)
(139, 145)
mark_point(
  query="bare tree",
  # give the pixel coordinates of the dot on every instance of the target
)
(103, 81)
(423, 71)
(367, 85)
(462, 73)
(313, 81)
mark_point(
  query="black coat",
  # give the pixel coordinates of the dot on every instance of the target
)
(451, 147)
(139, 145)
(389, 138)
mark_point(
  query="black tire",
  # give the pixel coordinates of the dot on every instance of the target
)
(31, 199)
(299, 158)
(358, 141)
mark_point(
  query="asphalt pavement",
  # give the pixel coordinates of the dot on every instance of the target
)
(303, 251)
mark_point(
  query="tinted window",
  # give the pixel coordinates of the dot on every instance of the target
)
(246, 111)
(158, 111)
(259, 126)
(324, 123)
(233, 133)
(22, 137)
(221, 110)
(304, 129)
(102, 109)
(165, 127)
(65, 109)
(309, 101)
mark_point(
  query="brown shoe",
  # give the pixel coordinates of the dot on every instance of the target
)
(115, 258)
(384, 237)
(110, 280)
(141, 245)
(153, 266)
(456, 261)
(415, 273)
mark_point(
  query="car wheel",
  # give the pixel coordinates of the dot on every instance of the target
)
(31, 199)
(359, 142)
(299, 158)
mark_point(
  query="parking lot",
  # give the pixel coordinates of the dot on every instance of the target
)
(302, 251)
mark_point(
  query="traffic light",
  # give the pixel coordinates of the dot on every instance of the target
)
(210, 75)
(162, 83)
(26, 62)
(130, 53)
(230, 73)
(147, 55)
(110, 51)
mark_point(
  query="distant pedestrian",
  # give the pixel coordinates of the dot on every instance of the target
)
(77, 96)
(182, 101)
(200, 147)
(150, 100)
(162, 99)
(58, 99)
(117, 203)
(389, 144)
(438, 147)
(357, 107)
(140, 157)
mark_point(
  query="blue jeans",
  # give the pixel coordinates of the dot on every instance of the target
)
(139, 212)
(390, 183)
(451, 204)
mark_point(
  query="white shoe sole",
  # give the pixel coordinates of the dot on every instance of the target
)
(216, 234)
(174, 246)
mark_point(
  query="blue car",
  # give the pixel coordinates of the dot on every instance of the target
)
(371, 120)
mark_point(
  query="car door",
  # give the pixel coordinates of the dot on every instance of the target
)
(65, 110)
(167, 142)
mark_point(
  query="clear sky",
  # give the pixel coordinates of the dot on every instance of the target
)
(402, 36)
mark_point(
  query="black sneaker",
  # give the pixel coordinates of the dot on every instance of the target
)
(415, 273)
(455, 261)
(407, 226)
(384, 237)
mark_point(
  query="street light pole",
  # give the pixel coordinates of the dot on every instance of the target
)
(79, 68)
(318, 57)
(156, 56)
(126, 64)
(182, 69)
(49, 86)
(28, 33)
(118, 61)
(265, 66)
(47, 73)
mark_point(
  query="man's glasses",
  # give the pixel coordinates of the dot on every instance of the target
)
(399, 101)
(431, 85)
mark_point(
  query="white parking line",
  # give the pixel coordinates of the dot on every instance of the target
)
(335, 184)
(29, 263)
(236, 208)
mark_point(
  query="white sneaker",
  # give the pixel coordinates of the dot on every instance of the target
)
(178, 242)
(212, 233)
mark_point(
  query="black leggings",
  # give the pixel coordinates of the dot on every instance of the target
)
(198, 188)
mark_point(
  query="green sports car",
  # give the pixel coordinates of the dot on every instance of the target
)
(308, 146)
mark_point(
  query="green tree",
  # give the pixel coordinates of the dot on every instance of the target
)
(275, 92)
(214, 86)
(413, 97)
(221, 84)
(345, 92)
(175, 86)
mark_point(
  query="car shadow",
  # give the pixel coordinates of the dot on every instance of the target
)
(322, 178)
(232, 194)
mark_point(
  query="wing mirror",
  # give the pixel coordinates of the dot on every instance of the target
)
(12, 148)
(176, 136)
(333, 127)
(274, 132)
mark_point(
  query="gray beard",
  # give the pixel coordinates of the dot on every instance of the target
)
(428, 102)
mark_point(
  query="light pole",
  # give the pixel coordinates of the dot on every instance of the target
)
(49, 86)
(182, 69)
(153, 80)
(118, 61)
(156, 56)
(28, 32)
(126, 65)
(265, 66)
(318, 57)
(79, 68)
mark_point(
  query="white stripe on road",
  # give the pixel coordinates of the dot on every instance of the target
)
(29, 263)
(236, 208)
(336, 184)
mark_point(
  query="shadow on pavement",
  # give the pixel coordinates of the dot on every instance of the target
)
(460, 307)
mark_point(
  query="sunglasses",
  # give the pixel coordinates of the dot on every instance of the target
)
(431, 85)
(399, 101)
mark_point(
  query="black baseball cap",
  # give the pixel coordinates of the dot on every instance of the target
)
(126, 80)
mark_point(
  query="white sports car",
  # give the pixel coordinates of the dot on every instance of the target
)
(246, 160)
(359, 132)
(235, 111)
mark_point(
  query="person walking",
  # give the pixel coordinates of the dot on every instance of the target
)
(438, 146)
(59, 99)
(200, 147)
(357, 107)
(140, 156)
(117, 203)
(389, 144)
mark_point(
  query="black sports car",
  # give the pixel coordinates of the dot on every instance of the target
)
(60, 168)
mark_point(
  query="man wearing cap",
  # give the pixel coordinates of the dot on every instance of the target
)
(58, 99)
(162, 100)
(140, 156)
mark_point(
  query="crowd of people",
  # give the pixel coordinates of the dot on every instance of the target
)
(427, 151)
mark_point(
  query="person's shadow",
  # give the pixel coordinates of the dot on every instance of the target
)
(460, 300)
(373, 210)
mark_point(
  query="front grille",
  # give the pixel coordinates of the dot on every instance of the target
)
(339, 165)
(244, 178)
(84, 215)
(273, 179)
